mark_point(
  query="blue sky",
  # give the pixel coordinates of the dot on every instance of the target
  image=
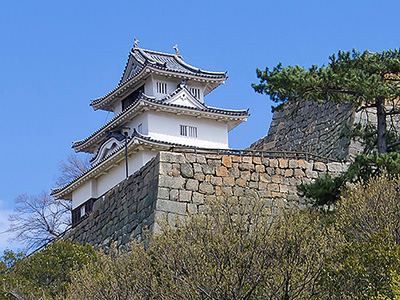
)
(57, 55)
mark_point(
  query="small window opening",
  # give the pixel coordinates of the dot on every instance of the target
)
(195, 92)
(140, 128)
(189, 131)
(83, 211)
(161, 87)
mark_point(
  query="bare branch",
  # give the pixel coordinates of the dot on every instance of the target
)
(72, 168)
(39, 219)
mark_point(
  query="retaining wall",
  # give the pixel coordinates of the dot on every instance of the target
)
(175, 184)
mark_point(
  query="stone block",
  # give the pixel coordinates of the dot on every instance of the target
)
(311, 174)
(226, 191)
(238, 191)
(218, 190)
(253, 185)
(216, 180)
(236, 159)
(208, 170)
(234, 170)
(186, 170)
(190, 157)
(245, 175)
(303, 164)
(319, 166)
(247, 159)
(283, 188)
(185, 196)
(201, 159)
(254, 177)
(293, 163)
(265, 177)
(197, 168)
(335, 167)
(174, 194)
(199, 176)
(197, 198)
(192, 184)
(221, 171)
(227, 161)
(206, 188)
(213, 156)
(273, 187)
(273, 163)
(257, 160)
(163, 193)
(246, 166)
(288, 172)
(171, 157)
(260, 168)
(241, 182)
(191, 208)
(265, 161)
(171, 206)
(298, 173)
(171, 182)
(276, 178)
(283, 163)
(229, 181)
(176, 170)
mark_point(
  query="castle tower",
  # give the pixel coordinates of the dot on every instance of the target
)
(158, 104)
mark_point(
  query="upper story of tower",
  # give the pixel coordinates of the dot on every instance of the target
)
(157, 75)
(162, 97)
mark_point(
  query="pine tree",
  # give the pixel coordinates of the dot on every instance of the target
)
(366, 80)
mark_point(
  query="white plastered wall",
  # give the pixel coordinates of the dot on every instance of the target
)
(96, 187)
(166, 127)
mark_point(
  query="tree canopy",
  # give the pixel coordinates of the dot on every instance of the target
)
(364, 79)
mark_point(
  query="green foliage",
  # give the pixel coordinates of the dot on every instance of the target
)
(235, 250)
(364, 79)
(362, 270)
(368, 216)
(359, 78)
(238, 248)
(369, 208)
(324, 190)
(127, 275)
(394, 286)
(46, 273)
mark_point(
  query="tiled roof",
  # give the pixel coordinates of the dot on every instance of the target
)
(151, 100)
(140, 58)
(168, 62)
(62, 191)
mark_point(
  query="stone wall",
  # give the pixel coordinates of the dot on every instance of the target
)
(175, 184)
(312, 127)
(122, 213)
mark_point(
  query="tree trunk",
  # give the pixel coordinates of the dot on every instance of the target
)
(381, 126)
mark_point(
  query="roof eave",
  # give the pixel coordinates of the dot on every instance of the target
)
(140, 105)
(120, 91)
(96, 171)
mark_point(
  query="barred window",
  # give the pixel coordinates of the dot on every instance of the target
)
(195, 92)
(161, 87)
(189, 131)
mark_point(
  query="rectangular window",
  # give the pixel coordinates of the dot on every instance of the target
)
(83, 211)
(195, 92)
(132, 97)
(189, 131)
(161, 87)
